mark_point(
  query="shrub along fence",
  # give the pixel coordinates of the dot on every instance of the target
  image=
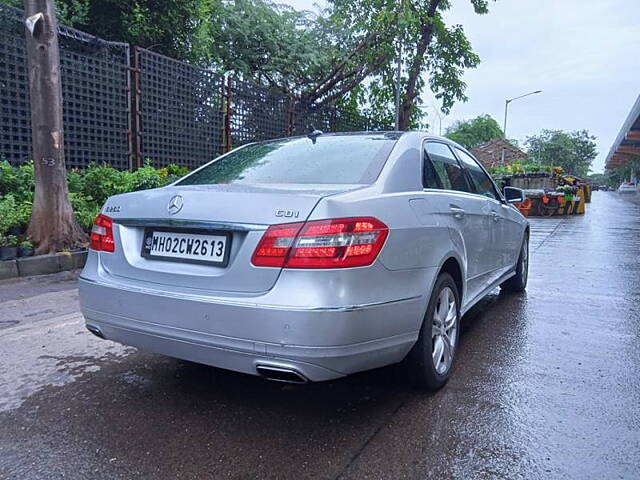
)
(123, 105)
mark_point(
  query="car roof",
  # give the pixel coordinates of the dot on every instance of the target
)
(398, 133)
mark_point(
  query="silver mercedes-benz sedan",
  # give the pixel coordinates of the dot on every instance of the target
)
(308, 258)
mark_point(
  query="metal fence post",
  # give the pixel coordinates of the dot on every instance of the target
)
(228, 111)
(291, 116)
(134, 122)
(333, 119)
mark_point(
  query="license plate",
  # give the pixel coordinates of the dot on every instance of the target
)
(201, 247)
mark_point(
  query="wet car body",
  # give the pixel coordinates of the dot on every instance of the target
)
(298, 323)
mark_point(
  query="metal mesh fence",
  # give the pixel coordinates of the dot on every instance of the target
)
(327, 118)
(256, 113)
(15, 117)
(95, 81)
(181, 115)
(121, 109)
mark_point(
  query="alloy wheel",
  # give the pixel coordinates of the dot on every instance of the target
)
(444, 331)
(524, 265)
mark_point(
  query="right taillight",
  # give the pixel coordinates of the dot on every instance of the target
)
(334, 243)
(102, 234)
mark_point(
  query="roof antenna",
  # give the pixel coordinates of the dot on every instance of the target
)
(314, 134)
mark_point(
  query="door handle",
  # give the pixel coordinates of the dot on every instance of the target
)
(495, 216)
(456, 211)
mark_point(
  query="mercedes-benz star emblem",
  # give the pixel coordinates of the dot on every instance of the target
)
(175, 204)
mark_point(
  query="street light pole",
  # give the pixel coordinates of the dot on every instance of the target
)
(506, 111)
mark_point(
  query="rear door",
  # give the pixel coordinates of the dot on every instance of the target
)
(470, 221)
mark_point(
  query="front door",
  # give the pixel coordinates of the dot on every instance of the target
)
(484, 188)
(467, 214)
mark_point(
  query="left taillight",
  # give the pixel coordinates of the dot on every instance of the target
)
(334, 243)
(102, 234)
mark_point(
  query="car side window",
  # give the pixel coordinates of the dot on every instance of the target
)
(441, 170)
(482, 183)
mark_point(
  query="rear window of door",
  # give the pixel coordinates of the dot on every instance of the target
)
(441, 170)
(481, 182)
(328, 159)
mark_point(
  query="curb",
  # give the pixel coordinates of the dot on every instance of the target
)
(42, 264)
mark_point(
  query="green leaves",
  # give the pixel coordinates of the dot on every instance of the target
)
(270, 44)
(99, 182)
(88, 189)
(170, 27)
(623, 173)
(433, 54)
(17, 181)
(573, 151)
(14, 212)
(317, 58)
(470, 133)
(480, 6)
(449, 55)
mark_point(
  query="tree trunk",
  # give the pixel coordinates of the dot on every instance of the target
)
(410, 91)
(52, 226)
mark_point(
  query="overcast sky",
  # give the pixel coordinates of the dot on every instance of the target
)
(583, 54)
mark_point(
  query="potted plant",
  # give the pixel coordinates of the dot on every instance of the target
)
(8, 247)
(516, 168)
(25, 249)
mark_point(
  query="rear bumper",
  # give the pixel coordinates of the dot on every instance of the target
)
(321, 343)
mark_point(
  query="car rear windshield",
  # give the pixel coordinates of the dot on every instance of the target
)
(327, 159)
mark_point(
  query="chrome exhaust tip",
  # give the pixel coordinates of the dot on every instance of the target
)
(280, 374)
(96, 331)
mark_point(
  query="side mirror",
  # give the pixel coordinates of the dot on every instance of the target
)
(514, 195)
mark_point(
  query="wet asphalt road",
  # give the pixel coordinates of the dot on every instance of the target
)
(546, 385)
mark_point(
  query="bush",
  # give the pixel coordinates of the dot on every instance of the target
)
(17, 181)
(175, 171)
(88, 190)
(99, 182)
(7, 178)
(75, 181)
(14, 214)
(146, 177)
(85, 209)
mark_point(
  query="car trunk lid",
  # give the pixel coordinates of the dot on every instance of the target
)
(243, 212)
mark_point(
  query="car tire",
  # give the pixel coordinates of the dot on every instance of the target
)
(518, 283)
(430, 361)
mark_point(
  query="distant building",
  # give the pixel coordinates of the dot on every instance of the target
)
(490, 153)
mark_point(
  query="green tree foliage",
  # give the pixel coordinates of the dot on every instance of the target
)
(69, 12)
(88, 190)
(345, 54)
(614, 177)
(598, 179)
(573, 151)
(320, 58)
(176, 28)
(428, 46)
(623, 173)
(270, 44)
(470, 133)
